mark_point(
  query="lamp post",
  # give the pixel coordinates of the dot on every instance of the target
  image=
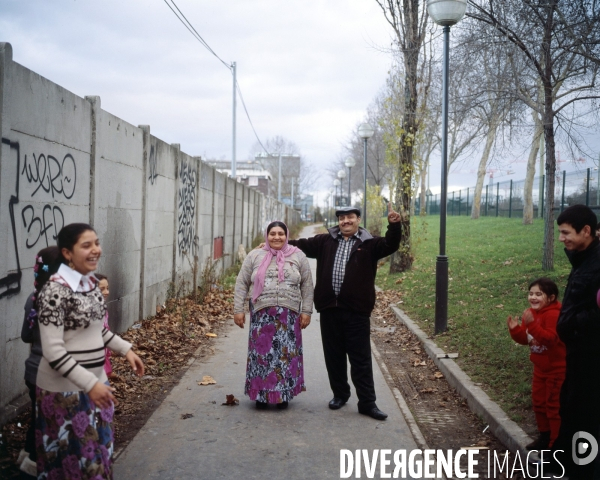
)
(365, 131)
(350, 163)
(336, 184)
(331, 190)
(445, 13)
(341, 175)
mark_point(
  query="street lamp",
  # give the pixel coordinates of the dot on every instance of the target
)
(341, 175)
(365, 131)
(445, 13)
(336, 184)
(350, 163)
(331, 190)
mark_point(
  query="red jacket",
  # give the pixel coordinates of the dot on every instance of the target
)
(547, 352)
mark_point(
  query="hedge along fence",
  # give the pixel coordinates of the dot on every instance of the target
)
(155, 208)
(506, 199)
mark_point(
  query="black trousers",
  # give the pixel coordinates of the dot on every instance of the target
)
(345, 333)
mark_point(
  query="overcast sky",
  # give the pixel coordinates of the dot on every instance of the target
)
(307, 70)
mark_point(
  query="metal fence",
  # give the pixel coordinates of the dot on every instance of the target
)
(506, 199)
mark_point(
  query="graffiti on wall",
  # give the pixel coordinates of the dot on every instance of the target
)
(42, 174)
(45, 173)
(12, 281)
(187, 240)
(152, 163)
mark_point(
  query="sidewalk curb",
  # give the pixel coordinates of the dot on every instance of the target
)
(506, 430)
(408, 416)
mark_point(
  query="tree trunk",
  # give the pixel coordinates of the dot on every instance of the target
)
(489, 143)
(548, 257)
(423, 197)
(531, 161)
(403, 258)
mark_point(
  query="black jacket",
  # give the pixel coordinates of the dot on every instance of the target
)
(578, 325)
(358, 288)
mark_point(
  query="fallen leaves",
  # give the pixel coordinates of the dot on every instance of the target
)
(211, 335)
(185, 416)
(230, 401)
(207, 380)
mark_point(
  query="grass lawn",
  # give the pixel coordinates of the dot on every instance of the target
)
(491, 262)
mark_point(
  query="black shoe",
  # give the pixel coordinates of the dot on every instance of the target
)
(336, 403)
(261, 405)
(374, 413)
(540, 443)
(282, 405)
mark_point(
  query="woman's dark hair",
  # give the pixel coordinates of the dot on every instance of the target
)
(69, 236)
(277, 224)
(99, 276)
(546, 285)
(46, 264)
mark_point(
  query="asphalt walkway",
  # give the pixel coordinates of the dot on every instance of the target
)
(302, 442)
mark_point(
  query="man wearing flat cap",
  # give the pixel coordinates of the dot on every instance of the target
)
(347, 259)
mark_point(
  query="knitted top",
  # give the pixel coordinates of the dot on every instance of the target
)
(295, 293)
(71, 311)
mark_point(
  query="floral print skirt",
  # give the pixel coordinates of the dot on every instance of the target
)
(73, 437)
(275, 368)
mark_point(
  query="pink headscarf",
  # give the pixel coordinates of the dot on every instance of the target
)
(286, 251)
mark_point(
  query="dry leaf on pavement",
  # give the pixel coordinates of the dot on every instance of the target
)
(230, 400)
(207, 380)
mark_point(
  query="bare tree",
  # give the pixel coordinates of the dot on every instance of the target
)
(408, 18)
(559, 41)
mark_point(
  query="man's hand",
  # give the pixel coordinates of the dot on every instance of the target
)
(395, 217)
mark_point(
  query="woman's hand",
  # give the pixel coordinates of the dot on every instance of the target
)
(512, 322)
(135, 362)
(102, 396)
(304, 320)
(239, 319)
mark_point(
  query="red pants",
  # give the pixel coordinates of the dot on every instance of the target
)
(545, 393)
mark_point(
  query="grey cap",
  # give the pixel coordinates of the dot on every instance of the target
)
(347, 210)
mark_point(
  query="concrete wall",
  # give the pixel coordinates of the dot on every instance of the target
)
(63, 159)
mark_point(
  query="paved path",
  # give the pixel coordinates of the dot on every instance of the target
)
(302, 442)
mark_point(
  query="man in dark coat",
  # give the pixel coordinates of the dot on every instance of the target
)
(345, 296)
(578, 327)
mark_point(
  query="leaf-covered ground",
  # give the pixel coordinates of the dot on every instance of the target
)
(167, 343)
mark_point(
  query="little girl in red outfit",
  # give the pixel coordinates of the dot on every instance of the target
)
(547, 352)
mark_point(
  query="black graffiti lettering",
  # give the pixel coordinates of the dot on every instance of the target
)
(12, 281)
(38, 226)
(187, 239)
(152, 163)
(51, 175)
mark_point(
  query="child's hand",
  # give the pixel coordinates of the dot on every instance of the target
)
(527, 317)
(512, 322)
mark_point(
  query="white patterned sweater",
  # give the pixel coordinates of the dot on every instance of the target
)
(70, 316)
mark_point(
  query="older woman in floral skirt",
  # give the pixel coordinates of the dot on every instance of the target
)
(281, 303)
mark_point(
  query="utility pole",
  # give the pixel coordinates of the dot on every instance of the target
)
(279, 180)
(233, 161)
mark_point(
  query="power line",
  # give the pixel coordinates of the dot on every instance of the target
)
(187, 24)
(248, 115)
(194, 32)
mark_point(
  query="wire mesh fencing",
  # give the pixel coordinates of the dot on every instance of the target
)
(507, 199)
